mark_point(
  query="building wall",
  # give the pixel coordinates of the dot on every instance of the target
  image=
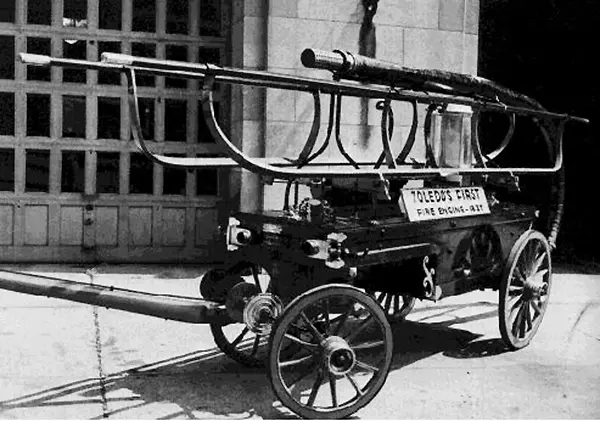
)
(440, 34)
(73, 187)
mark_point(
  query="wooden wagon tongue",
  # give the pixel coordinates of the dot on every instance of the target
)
(170, 307)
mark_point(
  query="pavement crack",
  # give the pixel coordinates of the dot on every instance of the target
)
(98, 348)
(579, 317)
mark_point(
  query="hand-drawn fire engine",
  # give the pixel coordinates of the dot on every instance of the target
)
(311, 290)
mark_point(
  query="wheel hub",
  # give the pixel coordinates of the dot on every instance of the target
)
(238, 297)
(534, 286)
(339, 357)
(261, 311)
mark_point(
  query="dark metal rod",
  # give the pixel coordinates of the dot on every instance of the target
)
(170, 307)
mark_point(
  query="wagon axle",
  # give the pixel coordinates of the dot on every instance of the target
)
(261, 311)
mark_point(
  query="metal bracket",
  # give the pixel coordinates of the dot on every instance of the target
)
(370, 9)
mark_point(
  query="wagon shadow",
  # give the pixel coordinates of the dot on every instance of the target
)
(420, 339)
(206, 384)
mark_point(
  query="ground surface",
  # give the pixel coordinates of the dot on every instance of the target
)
(66, 360)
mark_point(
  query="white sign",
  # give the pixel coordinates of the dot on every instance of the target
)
(452, 202)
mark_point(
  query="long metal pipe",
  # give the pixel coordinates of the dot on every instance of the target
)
(347, 65)
(123, 62)
(170, 307)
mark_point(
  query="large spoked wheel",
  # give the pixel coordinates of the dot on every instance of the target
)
(238, 341)
(524, 289)
(395, 306)
(343, 357)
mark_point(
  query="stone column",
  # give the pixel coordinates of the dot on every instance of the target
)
(249, 46)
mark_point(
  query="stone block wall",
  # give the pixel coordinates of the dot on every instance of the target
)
(271, 35)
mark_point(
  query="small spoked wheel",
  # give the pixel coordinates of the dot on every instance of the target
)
(524, 289)
(238, 341)
(395, 306)
(343, 355)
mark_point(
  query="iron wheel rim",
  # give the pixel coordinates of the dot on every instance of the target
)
(525, 289)
(308, 322)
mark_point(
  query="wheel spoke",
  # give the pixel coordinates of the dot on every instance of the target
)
(536, 308)
(523, 323)
(368, 345)
(254, 270)
(239, 338)
(517, 323)
(396, 304)
(312, 327)
(381, 297)
(515, 288)
(354, 385)
(523, 267)
(366, 366)
(315, 388)
(332, 388)
(255, 345)
(538, 262)
(300, 341)
(359, 329)
(327, 315)
(407, 301)
(516, 304)
(342, 321)
(300, 360)
(518, 275)
(528, 316)
(388, 302)
(306, 372)
(531, 253)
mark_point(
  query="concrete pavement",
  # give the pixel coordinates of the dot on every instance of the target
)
(66, 360)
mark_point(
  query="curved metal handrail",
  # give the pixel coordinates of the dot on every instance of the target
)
(314, 132)
(338, 139)
(330, 124)
(254, 165)
(475, 145)
(387, 130)
(412, 136)
(509, 134)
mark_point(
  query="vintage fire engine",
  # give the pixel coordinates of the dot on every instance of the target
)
(311, 290)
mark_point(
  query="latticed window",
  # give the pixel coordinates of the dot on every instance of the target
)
(72, 181)
(77, 109)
